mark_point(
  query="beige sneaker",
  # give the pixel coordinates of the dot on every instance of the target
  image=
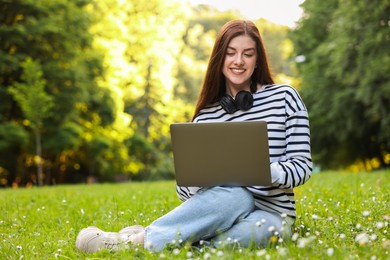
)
(92, 239)
(132, 230)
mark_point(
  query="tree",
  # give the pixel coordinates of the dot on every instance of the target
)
(35, 104)
(141, 39)
(55, 34)
(346, 84)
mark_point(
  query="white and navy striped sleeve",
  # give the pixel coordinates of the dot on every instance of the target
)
(184, 193)
(296, 166)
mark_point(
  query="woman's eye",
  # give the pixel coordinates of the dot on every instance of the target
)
(230, 53)
(248, 54)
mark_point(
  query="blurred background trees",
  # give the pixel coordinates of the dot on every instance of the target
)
(346, 80)
(110, 76)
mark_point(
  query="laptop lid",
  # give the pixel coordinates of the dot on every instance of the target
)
(221, 153)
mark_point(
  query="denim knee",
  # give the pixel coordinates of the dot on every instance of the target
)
(234, 197)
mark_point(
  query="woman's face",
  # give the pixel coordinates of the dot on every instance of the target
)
(239, 64)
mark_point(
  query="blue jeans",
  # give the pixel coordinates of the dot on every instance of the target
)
(220, 215)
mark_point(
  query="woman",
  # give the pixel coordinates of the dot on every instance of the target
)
(238, 87)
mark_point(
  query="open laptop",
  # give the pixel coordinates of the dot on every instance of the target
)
(221, 153)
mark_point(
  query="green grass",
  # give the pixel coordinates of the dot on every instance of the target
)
(334, 210)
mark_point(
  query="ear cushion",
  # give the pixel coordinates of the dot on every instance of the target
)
(244, 100)
(228, 104)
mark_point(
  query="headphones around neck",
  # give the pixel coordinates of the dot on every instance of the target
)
(242, 101)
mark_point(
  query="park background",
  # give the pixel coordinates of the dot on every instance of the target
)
(88, 88)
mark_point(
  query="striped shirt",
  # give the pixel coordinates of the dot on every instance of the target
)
(289, 144)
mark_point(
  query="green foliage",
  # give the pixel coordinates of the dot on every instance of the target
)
(13, 138)
(30, 95)
(345, 79)
(68, 137)
(278, 46)
(141, 40)
(348, 218)
(55, 35)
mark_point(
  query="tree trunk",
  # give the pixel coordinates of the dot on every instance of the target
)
(39, 154)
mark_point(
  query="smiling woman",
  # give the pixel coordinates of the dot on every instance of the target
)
(252, 215)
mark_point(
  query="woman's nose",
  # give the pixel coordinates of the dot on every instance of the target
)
(239, 60)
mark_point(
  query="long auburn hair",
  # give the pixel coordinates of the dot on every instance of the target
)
(214, 85)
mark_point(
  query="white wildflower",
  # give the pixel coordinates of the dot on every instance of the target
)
(315, 216)
(362, 238)
(176, 251)
(282, 251)
(366, 213)
(303, 242)
(330, 251)
(271, 228)
(379, 225)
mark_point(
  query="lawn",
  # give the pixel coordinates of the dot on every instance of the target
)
(341, 216)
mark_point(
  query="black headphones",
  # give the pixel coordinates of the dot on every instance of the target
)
(242, 101)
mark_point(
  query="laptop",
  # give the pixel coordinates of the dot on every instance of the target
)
(221, 153)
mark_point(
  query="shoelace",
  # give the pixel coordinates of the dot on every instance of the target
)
(108, 243)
